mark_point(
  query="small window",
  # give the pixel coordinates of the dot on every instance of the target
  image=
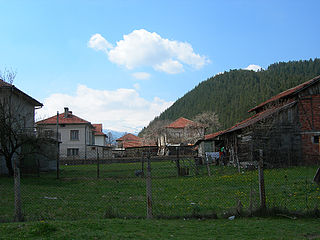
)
(74, 135)
(48, 133)
(316, 139)
(73, 152)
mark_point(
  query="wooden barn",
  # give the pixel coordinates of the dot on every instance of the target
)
(286, 128)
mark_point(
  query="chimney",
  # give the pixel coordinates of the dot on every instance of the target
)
(66, 112)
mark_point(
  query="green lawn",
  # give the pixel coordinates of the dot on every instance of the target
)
(245, 228)
(78, 194)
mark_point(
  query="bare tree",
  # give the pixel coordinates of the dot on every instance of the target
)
(154, 130)
(110, 138)
(210, 120)
(16, 128)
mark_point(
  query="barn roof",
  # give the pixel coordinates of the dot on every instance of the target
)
(213, 135)
(288, 93)
(258, 117)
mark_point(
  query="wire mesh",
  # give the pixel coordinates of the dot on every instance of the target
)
(182, 187)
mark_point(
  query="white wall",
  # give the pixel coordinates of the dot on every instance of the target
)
(100, 141)
(85, 138)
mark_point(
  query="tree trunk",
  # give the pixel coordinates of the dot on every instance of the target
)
(9, 166)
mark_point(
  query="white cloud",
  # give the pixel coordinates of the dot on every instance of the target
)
(98, 43)
(120, 110)
(141, 75)
(253, 67)
(170, 66)
(142, 48)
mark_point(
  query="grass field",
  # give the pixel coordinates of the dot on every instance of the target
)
(246, 228)
(78, 194)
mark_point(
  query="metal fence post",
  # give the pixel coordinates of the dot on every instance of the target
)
(178, 162)
(17, 192)
(142, 166)
(98, 164)
(149, 190)
(58, 150)
(262, 192)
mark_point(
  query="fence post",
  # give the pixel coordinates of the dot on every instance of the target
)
(58, 166)
(17, 192)
(262, 192)
(178, 162)
(208, 167)
(142, 165)
(98, 164)
(149, 190)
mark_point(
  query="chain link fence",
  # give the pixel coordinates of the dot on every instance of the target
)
(157, 187)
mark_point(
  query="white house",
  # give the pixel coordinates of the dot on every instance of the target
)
(74, 133)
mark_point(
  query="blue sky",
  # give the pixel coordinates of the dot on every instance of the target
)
(121, 63)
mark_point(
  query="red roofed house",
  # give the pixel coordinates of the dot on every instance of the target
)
(129, 140)
(75, 134)
(133, 146)
(286, 128)
(180, 132)
(99, 136)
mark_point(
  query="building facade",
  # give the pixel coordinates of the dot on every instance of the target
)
(74, 133)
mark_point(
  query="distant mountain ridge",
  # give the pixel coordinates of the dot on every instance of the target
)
(115, 134)
(233, 93)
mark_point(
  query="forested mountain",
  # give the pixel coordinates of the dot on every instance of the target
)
(231, 94)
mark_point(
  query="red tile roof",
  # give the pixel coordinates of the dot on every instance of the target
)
(71, 119)
(182, 123)
(212, 135)
(288, 93)
(131, 141)
(129, 137)
(141, 143)
(257, 117)
(98, 130)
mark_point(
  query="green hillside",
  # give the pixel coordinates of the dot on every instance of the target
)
(233, 93)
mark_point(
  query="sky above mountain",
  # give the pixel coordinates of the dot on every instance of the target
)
(121, 63)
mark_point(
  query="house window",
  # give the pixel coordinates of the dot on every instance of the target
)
(74, 135)
(48, 133)
(72, 152)
(316, 139)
